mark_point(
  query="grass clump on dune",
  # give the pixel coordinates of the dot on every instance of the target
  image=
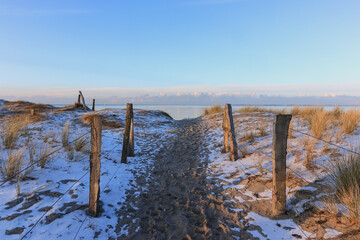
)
(349, 120)
(214, 109)
(13, 127)
(345, 183)
(252, 109)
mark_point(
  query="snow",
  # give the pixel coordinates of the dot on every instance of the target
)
(60, 168)
(279, 229)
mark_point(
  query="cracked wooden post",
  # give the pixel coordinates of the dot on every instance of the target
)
(93, 105)
(127, 130)
(229, 132)
(83, 100)
(94, 194)
(280, 135)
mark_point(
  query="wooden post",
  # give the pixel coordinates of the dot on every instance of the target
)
(94, 194)
(79, 99)
(125, 150)
(83, 100)
(226, 129)
(280, 134)
(229, 132)
(32, 111)
(93, 105)
(131, 151)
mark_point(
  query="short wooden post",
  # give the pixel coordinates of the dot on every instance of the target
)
(125, 150)
(93, 105)
(280, 135)
(83, 100)
(94, 194)
(229, 132)
(32, 111)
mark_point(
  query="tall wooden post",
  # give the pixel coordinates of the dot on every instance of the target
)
(94, 194)
(79, 96)
(229, 132)
(280, 135)
(125, 150)
(83, 100)
(131, 150)
(226, 129)
(93, 105)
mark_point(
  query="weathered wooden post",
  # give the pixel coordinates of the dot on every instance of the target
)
(280, 135)
(125, 150)
(79, 96)
(94, 194)
(93, 105)
(32, 111)
(83, 100)
(226, 128)
(229, 132)
(131, 152)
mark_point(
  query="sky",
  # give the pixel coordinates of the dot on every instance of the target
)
(132, 48)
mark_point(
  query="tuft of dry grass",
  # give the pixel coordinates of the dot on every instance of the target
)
(248, 137)
(309, 157)
(12, 128)
(44, 155)
(80, 144)
(252, 109)
(70, 153)
(349, 120)
(12, 163)
(262, 131)
(319, 122)
(214, 109)
(344, 176)
(65, 135)
(243, 150)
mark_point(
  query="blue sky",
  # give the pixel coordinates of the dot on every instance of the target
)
(288, 47)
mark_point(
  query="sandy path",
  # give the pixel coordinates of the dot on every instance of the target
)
(180, 202)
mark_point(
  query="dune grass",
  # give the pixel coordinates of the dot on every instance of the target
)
(214, 109)
(65, 134)
(11, 164)
(344, 176)
(13, 127)
(253, 109)
(349, 120)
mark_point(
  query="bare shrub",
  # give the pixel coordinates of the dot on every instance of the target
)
(214, 109)
(344, 176)
(65, 135)
(350, 120)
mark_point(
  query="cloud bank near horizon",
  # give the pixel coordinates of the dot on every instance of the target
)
(196, 98)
